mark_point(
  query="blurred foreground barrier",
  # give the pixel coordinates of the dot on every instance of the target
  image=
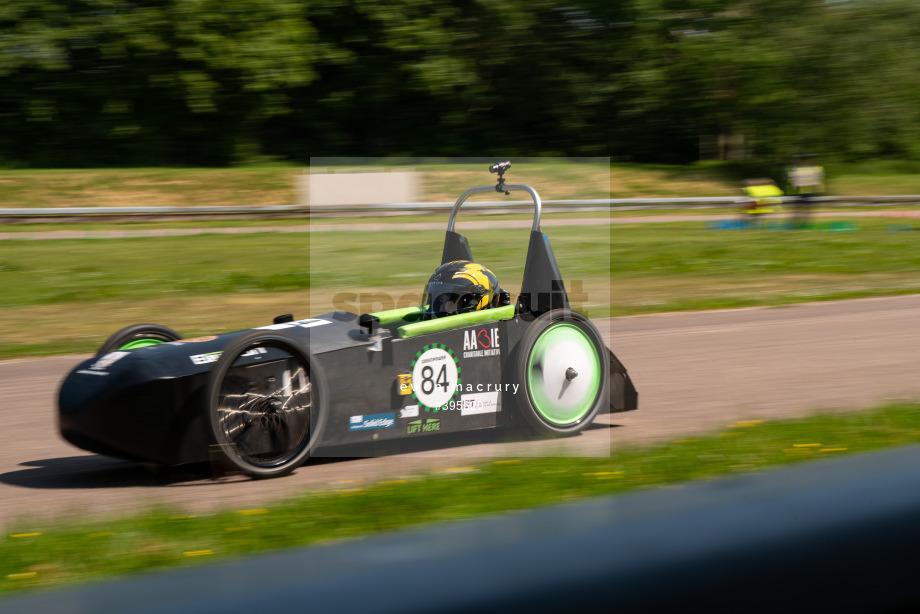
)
(830, 536)
(602, 204)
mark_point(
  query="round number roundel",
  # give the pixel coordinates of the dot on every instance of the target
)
(435, 376)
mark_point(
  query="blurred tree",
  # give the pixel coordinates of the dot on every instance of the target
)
(118, 81)
(114, 82)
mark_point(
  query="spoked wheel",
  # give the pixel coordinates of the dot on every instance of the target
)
(564, 373)
(138, 336)
(265, 404)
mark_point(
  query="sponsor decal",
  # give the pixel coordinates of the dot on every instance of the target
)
(479, 403)
(194, 340)
(423, 425)
(409, 411)
(108, 360)
(206, 359)
(375, 421)
(308, 323)
(486, 399)
(435, 376)
(480, 343)
(404, 383)
(99, 367)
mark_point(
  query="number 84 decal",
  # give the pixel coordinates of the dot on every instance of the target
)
(435, 376)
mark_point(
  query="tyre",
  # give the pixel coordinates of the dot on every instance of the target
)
(563, 370)
(266, 404)
(138, 336)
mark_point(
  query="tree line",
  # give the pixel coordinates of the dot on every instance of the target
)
(214, 82)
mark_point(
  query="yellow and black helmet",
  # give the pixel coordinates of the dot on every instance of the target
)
(459, 287)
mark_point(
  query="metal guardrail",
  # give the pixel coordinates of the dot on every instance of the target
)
(618, 204)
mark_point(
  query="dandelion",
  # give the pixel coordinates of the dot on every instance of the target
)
(22, 576)
(456, 469)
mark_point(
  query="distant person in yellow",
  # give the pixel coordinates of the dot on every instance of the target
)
(805, 180)
(763, 197)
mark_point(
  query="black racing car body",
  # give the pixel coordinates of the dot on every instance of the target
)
(268, 398)
(148, 403)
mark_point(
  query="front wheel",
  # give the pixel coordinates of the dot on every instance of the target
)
(138, 336)
(563, 368)
(266, 404)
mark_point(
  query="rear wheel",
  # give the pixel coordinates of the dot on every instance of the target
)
(138, 336)
(265, 404)
(563, 369)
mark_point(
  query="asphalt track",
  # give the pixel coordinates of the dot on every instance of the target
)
(696, 372)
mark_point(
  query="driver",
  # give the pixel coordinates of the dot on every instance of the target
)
(462, 286)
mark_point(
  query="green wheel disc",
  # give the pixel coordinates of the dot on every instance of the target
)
(563, 374)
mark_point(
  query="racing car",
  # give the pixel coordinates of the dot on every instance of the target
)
(263, 401)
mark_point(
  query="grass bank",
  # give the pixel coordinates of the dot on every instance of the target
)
(77, 550)
(554, 178)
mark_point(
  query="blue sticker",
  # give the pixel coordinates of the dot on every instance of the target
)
(376, 421)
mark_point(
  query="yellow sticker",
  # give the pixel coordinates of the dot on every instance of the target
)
(404, 383)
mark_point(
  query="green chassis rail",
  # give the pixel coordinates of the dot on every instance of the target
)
(414, 329)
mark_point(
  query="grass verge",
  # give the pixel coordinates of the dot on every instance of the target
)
(276, 185)
(63, 296)
(79, 550)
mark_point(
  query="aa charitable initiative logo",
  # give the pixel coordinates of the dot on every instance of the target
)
(480, 343)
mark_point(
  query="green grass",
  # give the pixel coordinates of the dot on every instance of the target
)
(69, 295)
(78, 549)
(85, 270)
(275, 184)
(150, 187)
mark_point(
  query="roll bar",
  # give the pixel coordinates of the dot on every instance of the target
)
(542, 288)
(537, 203)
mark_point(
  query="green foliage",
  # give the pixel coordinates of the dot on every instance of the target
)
(116, 82)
